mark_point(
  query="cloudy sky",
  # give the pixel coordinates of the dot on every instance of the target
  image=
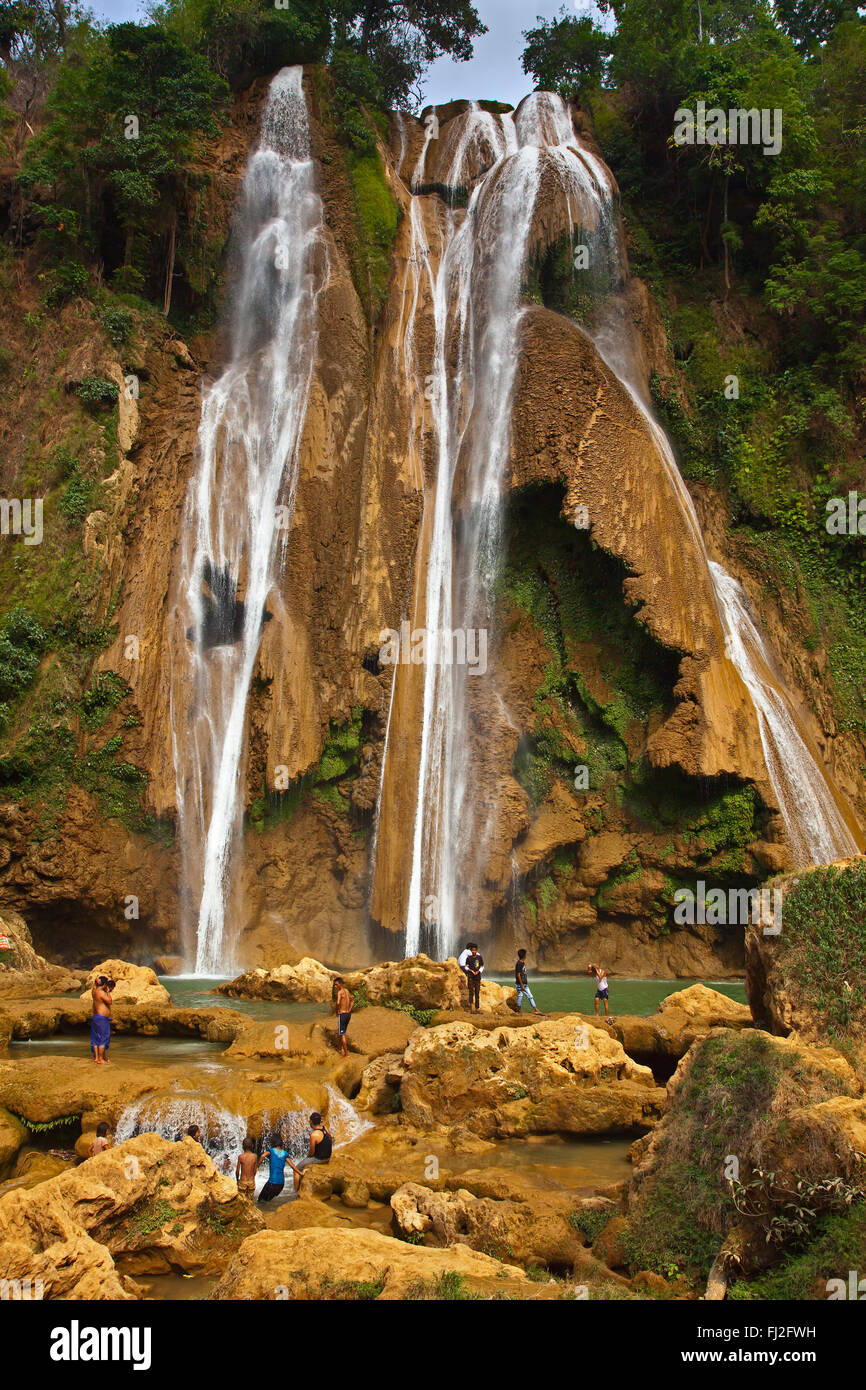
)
(494, 72)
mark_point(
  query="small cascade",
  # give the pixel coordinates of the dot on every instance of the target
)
(240, 503)
(815, 819)
(343, 1120)
(222, 1132)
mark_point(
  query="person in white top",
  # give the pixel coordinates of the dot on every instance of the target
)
(601, 987)
(472, 965)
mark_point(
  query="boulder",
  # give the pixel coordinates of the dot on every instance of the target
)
(281, 1041)
(425, 984)
(380, 1082)
(169, 965)
(536, 1231)
(374, 1031)
(307, 981)
(419, 981)
(707, 1008)
(157, 1206)
(554, 1077)
(13, 1134)
(609, 1245)
(23, 971)
(316, 1263)
(136, 984)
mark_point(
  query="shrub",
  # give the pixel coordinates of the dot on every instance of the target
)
(22, 640)
(74, 501)
(96, 393)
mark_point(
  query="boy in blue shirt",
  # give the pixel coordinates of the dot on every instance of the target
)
(276, 1157)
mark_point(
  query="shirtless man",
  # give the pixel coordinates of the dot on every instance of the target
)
(343, 1006)
(247, 1167)
(100, 1024)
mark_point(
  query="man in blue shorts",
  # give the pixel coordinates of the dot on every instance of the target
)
(100, 1024)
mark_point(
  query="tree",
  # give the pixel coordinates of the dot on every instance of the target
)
(121, 131)
(400, 38)
(811, 22)
(567, 55)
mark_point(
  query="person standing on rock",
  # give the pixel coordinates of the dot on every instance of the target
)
(474, 970)
(344, 1005)
(522, 984)
(100, 1024)
(601, 987)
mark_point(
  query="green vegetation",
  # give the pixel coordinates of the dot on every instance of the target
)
(46, 1126)
(590, 1223)
(822, 950)
(734, 1100)
(836, 1246)
(423, 1017)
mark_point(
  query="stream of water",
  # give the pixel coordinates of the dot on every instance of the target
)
(475, 290)
(240, 504)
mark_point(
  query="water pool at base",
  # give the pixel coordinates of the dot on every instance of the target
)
(553, 994)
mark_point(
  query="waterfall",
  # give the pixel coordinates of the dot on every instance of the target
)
(504, 161)
(240, 503)
(222, 1132)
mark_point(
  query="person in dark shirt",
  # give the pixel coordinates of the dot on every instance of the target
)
(522, 984)
(474, 969)
(321, 1148)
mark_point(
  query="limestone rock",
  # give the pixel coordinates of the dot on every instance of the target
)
(136, 984)
(609, 1246)
(160, 1206)
(169, 965)
(325, 1264)
(425, 984)
(375, 1031)
(23, 972)
(553, 1077)
(531, 1232)
(308, 980)
(12, 1135)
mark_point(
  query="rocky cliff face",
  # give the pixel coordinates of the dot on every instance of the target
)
(607, 650)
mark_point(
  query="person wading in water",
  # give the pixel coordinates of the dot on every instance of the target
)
(321, 1148)
(100, 1024)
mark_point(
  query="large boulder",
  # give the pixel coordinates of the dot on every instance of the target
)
(135, 984)
(316, 1263)
(425, 984)
(374, 1031)
(13, 1135)
(23, 971)
(155, 1205)
(556, 1077)
(308, 981)
(537, 1231)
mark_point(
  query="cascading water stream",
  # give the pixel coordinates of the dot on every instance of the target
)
(475, 295)
(815, 817)
(241, 500)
